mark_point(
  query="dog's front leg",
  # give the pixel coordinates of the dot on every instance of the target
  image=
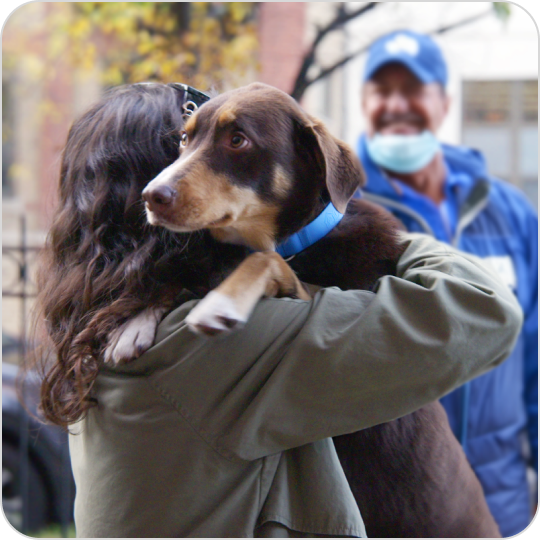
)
(262, 274)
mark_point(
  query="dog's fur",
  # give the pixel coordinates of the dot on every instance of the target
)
(253, 170)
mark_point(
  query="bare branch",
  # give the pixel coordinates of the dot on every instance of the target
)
(301, 86)
(309, 58)
(327, 71)
(463, 22)
(342, 18)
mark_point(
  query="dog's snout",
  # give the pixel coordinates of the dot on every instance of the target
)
(159, 195)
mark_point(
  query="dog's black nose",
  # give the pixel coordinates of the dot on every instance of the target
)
(159, 195)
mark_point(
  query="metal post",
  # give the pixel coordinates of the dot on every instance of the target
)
(24, 476)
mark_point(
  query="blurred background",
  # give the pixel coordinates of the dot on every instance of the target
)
(59, 56)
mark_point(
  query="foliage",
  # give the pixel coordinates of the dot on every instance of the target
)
(55, 531)
(201, 43)
(502, 10)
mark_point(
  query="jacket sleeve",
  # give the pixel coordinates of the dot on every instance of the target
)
(303, 371)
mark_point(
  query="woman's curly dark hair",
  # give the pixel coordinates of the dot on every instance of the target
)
(102, 262)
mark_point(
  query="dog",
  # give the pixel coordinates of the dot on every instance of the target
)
(254, 170)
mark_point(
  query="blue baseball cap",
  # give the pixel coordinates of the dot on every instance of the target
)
(417, 52)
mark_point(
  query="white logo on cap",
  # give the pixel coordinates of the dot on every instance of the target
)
(402, 43)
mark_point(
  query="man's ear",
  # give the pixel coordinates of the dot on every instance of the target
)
(341, 168)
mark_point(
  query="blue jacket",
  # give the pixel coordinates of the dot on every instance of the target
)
(495, 414)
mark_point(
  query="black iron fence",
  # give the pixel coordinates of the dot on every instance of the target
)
(37, 484)
(17, 261)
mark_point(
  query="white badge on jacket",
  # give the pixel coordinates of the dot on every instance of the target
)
(504, 267)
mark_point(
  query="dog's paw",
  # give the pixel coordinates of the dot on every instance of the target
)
(133, 338)
(215, 314)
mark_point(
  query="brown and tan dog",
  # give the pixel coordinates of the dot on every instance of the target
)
(255, 169)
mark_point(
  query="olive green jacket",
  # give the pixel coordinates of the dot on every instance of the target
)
(229, 436)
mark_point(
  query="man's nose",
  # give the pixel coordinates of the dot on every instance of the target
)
(396, 102)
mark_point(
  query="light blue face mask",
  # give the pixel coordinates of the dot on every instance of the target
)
(403, 153)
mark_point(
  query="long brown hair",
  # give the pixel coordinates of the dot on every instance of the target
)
(102, 262)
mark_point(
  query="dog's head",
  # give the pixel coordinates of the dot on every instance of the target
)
(254, 168)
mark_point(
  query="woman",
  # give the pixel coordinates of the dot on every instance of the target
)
(230, 437)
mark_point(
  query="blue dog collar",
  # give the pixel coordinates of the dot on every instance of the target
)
(311, 233)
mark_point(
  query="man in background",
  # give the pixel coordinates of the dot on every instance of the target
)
(446, 191)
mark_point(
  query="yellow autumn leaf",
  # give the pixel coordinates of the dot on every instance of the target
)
(113, 76)
(239, 11)
(80, 28)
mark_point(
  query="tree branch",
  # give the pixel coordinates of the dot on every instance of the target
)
(342, 18)
(300, 88)
(463, 22)
(309, 58)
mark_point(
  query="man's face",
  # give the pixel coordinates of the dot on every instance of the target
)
(394, 101)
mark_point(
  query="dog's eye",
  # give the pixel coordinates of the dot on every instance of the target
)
(183, 139)
(238, 141)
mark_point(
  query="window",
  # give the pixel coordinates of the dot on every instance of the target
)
(500, 118)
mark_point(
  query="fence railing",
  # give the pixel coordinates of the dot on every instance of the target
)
(19, 429)
(17, 262)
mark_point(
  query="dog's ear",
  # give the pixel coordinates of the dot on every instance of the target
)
(341, 168)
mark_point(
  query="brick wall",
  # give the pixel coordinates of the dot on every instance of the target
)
(281, 35)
